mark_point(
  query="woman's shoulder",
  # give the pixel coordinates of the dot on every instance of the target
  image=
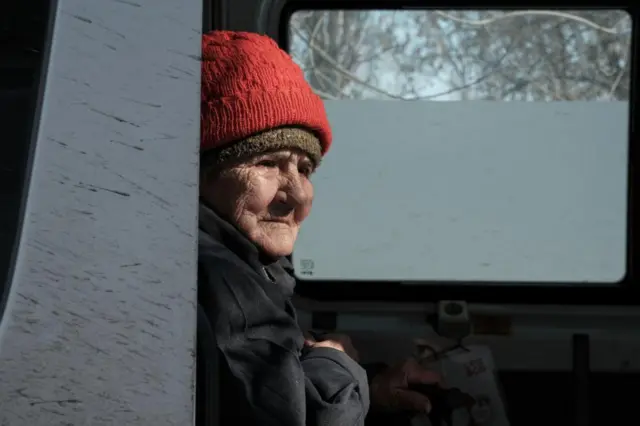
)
(214, 256)
(223, 279)
(233, 294)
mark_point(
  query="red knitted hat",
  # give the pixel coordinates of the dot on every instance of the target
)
(250, 85)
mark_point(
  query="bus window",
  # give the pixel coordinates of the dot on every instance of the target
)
(23, 40)
(472, 147)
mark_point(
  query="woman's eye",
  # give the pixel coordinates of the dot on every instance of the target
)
(306, 171)
(268, 163)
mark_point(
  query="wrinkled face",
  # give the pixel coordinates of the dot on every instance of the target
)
(267, 197)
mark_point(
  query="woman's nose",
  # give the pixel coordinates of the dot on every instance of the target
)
(296, 192)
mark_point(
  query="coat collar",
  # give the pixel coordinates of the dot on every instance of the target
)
(279, 271)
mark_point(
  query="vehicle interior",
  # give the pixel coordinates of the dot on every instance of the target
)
(22, 41)
(547, 279)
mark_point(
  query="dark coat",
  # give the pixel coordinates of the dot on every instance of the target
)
(266, 377)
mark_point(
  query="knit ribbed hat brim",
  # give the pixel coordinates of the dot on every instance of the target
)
(268, 141)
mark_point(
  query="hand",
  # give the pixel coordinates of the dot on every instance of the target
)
(341, 342)
(389, 389)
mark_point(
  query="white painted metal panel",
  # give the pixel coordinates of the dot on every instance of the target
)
(100, 322)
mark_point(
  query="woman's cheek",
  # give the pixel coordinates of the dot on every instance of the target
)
(310, 196)
(305, 209)
(260, 195)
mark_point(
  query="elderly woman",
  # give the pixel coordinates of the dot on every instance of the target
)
(264, 133)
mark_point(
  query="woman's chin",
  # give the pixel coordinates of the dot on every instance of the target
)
(276, 242)
(276, 250)
(277, 247)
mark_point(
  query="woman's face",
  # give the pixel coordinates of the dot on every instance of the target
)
(267, 197)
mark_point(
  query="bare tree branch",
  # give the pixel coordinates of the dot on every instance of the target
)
(475, 55)
(508, 15)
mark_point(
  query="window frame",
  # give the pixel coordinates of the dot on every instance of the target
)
(626, 292)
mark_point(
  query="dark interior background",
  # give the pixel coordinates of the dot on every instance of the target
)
(547, 398)
(23, 30)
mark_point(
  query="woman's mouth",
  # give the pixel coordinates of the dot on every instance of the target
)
(281, 221)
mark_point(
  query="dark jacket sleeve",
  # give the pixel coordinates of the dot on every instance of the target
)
(259, 345)
(337, 391)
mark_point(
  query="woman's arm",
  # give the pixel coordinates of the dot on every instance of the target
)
(264, 379)
(336, 388)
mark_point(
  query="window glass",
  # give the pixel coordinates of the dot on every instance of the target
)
(509, 163)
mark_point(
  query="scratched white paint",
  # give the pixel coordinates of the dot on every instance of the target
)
(100, 323)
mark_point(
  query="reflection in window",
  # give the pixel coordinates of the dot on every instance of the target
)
(489, 191)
